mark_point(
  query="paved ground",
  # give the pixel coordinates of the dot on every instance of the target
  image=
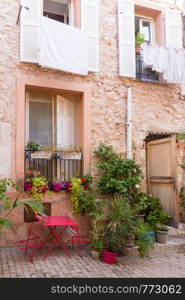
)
(14, 264)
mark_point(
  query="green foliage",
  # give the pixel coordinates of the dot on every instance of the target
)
(7, 205)
(30, 175)
(86, 180)
(87, 201)
(117, 174)
(182, 197)
(75, 190)
(40, 185)
(32, 147)
(181, 136)
(139, 38)
(120, 224)
(143, 240)
(161, 227)
(96, 242)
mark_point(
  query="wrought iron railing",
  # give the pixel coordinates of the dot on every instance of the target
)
(57, 167)
(144, 72)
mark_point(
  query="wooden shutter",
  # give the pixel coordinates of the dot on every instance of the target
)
(29, 30)
(173, 29)
(90, 23)
(126, 32)
(126, 28)
(65, 122)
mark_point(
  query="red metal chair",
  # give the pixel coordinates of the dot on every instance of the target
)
(32, 242)
(72, 234)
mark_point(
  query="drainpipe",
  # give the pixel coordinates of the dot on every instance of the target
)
(129, 123)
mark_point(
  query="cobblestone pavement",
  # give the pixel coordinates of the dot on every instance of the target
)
(14, 264)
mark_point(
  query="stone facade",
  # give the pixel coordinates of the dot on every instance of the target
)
(156, 107)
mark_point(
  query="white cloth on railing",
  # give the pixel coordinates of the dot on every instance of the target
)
(63, 47)
(169, 61)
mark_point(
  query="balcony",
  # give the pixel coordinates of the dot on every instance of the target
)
(144, 72)
(59, 166)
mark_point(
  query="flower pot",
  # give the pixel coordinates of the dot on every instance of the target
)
(140, 218)
(57, 187)
(161, 236)
(151, 234)
(109, 257)
(95, 254)
(28, 187)
(67, 185)
(138, 49)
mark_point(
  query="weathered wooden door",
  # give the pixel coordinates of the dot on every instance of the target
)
(161, 174)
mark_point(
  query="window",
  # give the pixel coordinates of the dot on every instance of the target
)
(59, 10)
(145, 26)
(53, 119)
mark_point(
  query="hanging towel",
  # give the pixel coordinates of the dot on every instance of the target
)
(63, 47)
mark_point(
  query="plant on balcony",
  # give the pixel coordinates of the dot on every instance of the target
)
(139, 40)
(28, 181)
(7, 205)
(32, 147)
(182, 202)
(40, 185)
(118, 175)
(57, 185)
(75, 189)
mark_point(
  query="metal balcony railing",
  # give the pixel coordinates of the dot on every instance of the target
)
(57, 167)
(144, 72)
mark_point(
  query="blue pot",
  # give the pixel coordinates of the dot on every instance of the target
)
(151, 234)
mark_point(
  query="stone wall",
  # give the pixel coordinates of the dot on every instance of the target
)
(155, 106)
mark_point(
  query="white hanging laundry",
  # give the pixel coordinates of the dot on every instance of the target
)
(63, 47)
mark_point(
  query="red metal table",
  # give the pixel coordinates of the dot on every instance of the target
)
(52, 223)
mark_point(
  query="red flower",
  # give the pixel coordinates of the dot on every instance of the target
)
(83, 180)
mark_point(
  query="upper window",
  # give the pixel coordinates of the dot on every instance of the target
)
(144, 25)
(59, 10)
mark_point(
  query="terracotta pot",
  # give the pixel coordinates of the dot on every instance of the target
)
(95, 254)
(109, 257)
(138, 50)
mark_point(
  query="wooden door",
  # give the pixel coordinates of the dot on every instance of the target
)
(161, 174)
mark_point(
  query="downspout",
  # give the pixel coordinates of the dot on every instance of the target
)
(129, 123)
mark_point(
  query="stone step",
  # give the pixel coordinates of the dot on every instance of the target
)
(177, 231)
(173, 245)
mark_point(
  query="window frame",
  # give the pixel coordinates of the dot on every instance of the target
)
(152, 25)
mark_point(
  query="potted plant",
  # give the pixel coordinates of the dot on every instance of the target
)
(40, 185)
(161, 233)
(71, 153)
(57, 185)
(96, 244)
(144, 240)
(32, 147)
(86, 181)
(140, 207)
(139, 40)
(119, 228)
(29, 176)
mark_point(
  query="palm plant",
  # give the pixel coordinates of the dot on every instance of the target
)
(7, 206)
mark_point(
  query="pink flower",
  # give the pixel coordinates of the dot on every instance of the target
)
(38, 173)
(28, 180)
(21, 174)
